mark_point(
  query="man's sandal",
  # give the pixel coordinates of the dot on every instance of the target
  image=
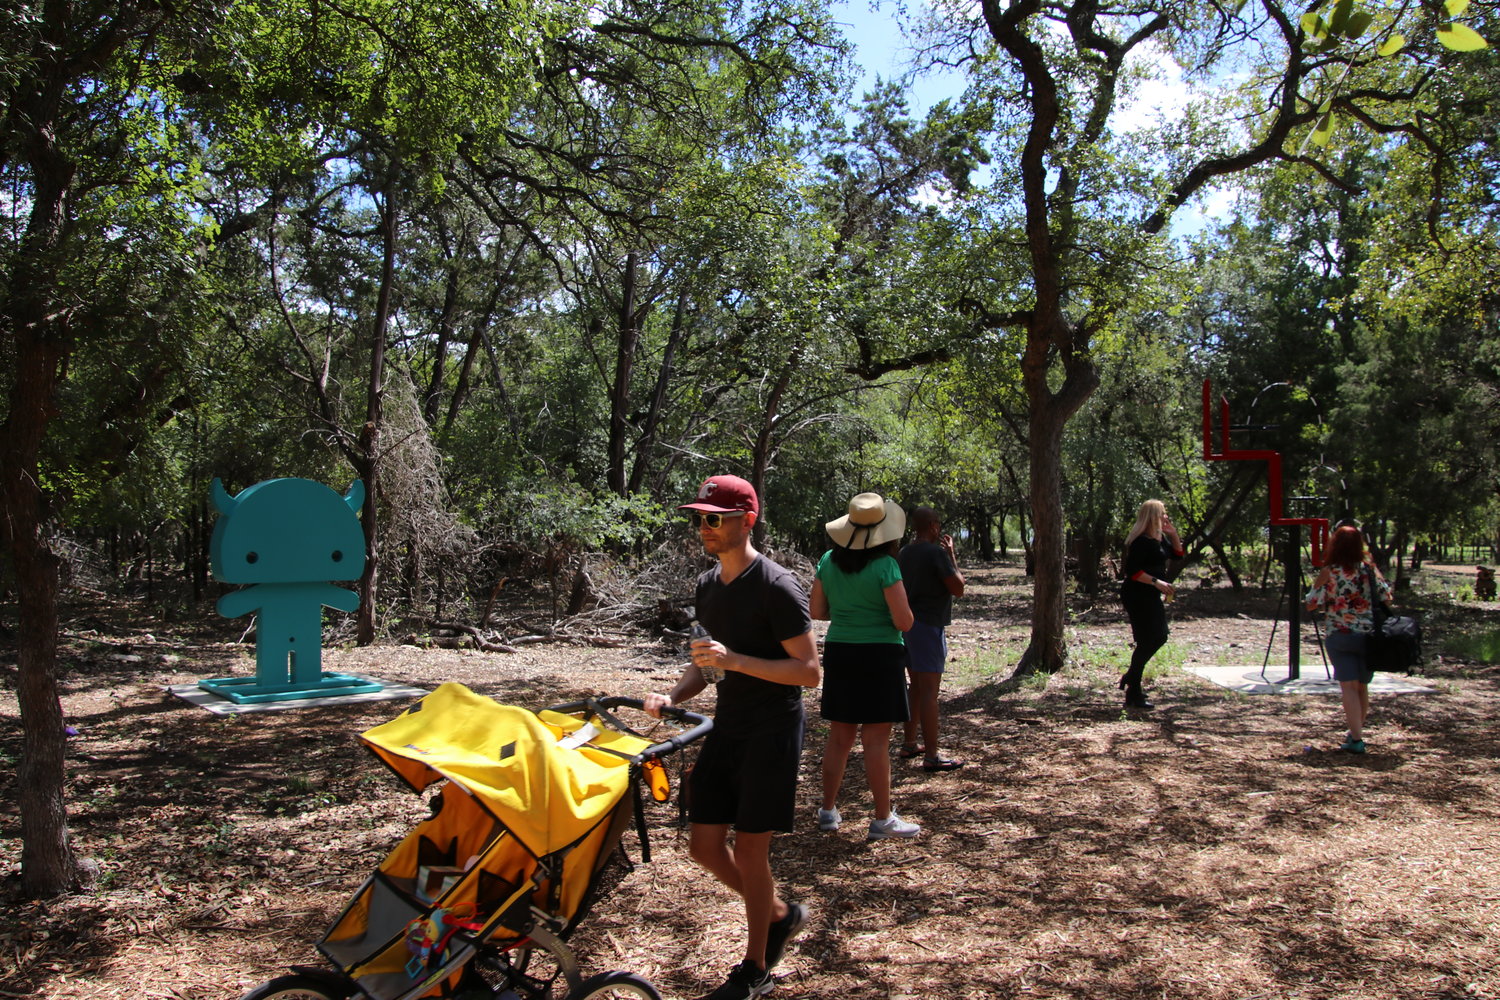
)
(942, 764)
(909, 750)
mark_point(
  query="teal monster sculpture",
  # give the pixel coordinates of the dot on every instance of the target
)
(287, 538)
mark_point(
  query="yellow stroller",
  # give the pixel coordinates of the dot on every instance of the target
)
(477, 902)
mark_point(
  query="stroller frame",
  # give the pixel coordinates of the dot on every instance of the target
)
(488, 956)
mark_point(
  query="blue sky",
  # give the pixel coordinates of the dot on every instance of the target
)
(883, 51)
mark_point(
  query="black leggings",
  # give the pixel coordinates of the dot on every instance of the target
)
(1148, 626)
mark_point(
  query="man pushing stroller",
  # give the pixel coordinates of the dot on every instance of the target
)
(760, 642)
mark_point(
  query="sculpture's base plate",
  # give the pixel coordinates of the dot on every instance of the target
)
(246, 690)
(232, 695)
(1312, 679)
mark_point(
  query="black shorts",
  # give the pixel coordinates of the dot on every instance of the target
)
(864, 682)
(748, 781)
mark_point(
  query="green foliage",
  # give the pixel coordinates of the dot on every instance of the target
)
(831, 299)
(1341, 35)
(1482, 646)
(548, 513)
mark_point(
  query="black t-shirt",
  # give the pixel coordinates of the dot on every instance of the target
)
(1149, 554)
(753, 614)
(924, 567)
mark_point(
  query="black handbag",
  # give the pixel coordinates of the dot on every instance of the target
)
(1394, 645)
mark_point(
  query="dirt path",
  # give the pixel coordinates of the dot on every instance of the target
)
(1217, 848)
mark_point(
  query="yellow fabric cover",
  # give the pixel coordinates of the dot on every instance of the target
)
(501, 764)
(510, 760)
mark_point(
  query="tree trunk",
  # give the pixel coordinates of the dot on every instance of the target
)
(48, 865)
(41, 346)
(1048, 418)
(627, 338)
(1028, 560)
(981, 532)
(1047, 651)
(1089, 549)
(1234, 578)
(432, 403)
(477, 337)
(1397, 553)
(765, 446)
(370, 434)
(646, 444)
(198, 555)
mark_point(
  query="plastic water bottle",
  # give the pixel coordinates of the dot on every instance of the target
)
(712, 675)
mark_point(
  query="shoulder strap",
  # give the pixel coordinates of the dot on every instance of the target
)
(1377, 607)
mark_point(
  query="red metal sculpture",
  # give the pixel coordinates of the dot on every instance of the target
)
(1318, 526)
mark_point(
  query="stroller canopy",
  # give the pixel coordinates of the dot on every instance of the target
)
(536, 773)
(529, 809)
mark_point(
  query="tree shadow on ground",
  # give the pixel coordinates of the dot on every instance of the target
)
(1199, 850)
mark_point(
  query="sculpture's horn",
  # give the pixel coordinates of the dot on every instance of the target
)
(355, 498)
(222, 500)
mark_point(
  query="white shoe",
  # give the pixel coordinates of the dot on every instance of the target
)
(892, 826)
(829, 819)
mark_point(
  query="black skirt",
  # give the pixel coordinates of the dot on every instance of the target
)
(864, 682)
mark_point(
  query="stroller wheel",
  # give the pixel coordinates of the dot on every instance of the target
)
(615, 986)
(299, 987)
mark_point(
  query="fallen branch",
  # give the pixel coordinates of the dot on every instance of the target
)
(479, 640)
(590, 640)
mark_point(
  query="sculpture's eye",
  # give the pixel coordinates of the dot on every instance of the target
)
(250, 557)
(338, 556)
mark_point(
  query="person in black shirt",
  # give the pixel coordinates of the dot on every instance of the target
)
(929, 568)
(745, 779)
(1148, 546)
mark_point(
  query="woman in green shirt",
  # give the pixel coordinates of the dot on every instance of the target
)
(858, 591)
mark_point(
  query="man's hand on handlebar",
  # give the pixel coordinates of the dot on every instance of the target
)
(653, 703)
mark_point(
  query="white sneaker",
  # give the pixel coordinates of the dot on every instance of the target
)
(892, 826)
(829, 819)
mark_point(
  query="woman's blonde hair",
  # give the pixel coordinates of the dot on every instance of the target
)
(1147, 520)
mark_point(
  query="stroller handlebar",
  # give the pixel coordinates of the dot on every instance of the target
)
(700, 724)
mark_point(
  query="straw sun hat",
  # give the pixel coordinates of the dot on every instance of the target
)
(871, 522)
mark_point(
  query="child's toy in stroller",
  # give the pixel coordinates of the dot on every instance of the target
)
(516, 849)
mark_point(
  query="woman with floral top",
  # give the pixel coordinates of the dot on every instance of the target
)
(1343, 588)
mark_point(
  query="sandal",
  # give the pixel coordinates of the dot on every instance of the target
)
(942, 764)
(909, 750)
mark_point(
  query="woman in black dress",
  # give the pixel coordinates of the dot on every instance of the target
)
(1148, 546)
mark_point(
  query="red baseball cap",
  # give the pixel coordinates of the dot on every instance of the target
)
(724, 494)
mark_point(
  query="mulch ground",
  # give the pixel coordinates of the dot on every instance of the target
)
(1218, 848)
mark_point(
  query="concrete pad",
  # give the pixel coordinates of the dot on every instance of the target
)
(210, 702)
(1313, 680)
